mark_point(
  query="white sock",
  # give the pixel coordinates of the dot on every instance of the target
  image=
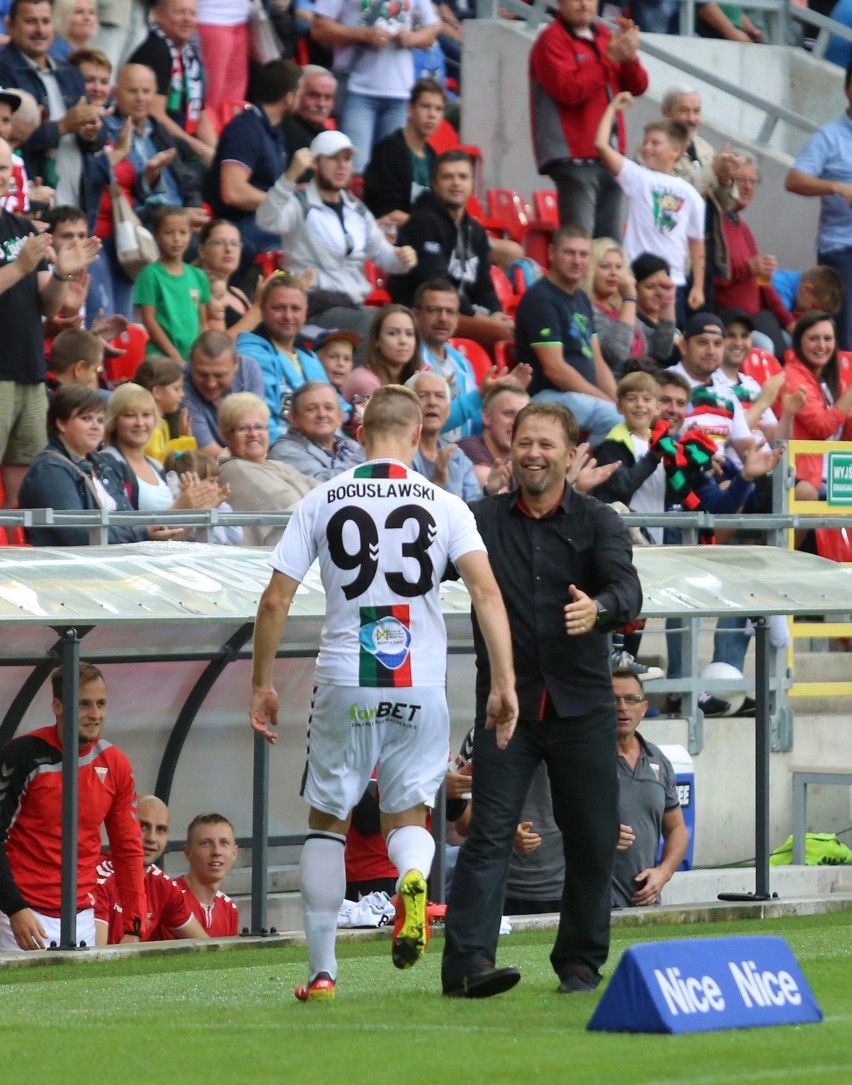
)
(411, 847)
(323, 875)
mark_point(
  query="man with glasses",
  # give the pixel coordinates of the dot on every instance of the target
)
(313, 444)
(648, 804)
(747, 283)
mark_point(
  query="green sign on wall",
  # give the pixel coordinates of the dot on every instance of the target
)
(839, 478)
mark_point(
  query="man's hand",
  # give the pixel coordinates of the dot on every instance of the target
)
(198, 217)
(759, 461)
(376, 37)
(78, 116)
(624, 46)
(36, 248)
(123, 142)
(28, 932)
(164, 534)
(499, 317)
(263, 714)
(301, 161)
(406, 256)
(457, 784)
(792, 402)
(525, 840)
(109, 327)
(581, 613)
(501, 714)
(654, 880)
(726, 164)
(695, 300)
(498, 477)
(157, 163)
(771, 389)
(442, 464)
(626, 838)
(584, 474)
(77, 255)
(761, 266)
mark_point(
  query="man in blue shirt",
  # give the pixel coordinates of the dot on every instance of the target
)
(214, 371)
(251, 156)
(824, 169)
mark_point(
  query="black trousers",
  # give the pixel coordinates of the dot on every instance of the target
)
(581, 761)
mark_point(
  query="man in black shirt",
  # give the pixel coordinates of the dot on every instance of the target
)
(314, 102)
(564, 565)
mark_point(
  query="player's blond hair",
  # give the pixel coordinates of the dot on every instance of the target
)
(391, 411)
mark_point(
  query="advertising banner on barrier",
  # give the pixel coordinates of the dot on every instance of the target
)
(701, 985)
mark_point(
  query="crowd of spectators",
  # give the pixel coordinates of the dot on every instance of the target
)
(146, 125)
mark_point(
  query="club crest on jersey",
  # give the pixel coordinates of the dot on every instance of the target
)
(102, 772)
(385, 646)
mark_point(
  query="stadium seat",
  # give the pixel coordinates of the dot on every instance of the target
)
(834, 543)
(760, 365)
(378, 297)
(505, 292)
(133, 341)
(269, 262)
(230, 109)
(478, 356)
(356, 188)
(511, 209)
(546, 206)
(476, 211)
(506, 354)
(537, 242)
(444, 138)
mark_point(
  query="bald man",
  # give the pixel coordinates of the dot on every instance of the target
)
(169, 912)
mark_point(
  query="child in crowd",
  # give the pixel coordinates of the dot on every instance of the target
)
(204, 467)
(218, 304)
(170, 294)
(163, 378)
(336, 351)
(77, 358)
(666, 214)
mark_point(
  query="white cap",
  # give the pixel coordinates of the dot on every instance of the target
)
(12, 97)
(327, 144)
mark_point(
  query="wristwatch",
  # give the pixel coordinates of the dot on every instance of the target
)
(603, 613)
(62, 278)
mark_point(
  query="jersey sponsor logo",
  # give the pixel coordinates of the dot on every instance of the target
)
(398, 712)
(384, 646)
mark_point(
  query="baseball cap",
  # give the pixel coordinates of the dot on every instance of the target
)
(10, 96)
(337, 333)
(703, 322)
(736, 316)
(329, 143)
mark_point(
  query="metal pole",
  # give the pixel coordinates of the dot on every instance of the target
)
(70, 662)
(761, 758)
(260, 830)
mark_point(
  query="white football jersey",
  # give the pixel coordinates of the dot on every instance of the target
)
(383, 535)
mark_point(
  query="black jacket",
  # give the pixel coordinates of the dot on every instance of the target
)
(446, 250)
(389, 175)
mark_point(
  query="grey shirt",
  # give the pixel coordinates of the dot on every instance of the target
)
(313, 460)
(644, 795)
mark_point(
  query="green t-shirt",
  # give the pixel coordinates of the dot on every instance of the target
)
(177, 300)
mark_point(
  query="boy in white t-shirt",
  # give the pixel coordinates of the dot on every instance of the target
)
(666, 215)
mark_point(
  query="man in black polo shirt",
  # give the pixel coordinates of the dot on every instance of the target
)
(252, 155)
(564, 565)
(314, 103)
(29, 290)
(555, 334)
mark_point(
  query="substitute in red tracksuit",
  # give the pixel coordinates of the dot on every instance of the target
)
(576, 67)
(31, 825)
(168, 908)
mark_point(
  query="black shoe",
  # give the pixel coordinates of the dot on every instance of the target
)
(713, 706)
(483, 982)
(579, 983)
(748, 708)
(673, 701)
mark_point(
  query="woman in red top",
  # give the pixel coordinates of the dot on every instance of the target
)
(814, 366)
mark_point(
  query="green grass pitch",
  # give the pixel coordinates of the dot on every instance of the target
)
(230, 1018)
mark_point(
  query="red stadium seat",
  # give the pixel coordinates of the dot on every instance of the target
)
(133, 341)
(761, 365)
(834, 543)
(230, 109)
(356, 188)
(546, 206)
(444, 138)
(378, 297)
(478, 356)
(505, 291)
(269, 262)
(509, 208)
(506, 354)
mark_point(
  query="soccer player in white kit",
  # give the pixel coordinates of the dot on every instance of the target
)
(383, 535)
